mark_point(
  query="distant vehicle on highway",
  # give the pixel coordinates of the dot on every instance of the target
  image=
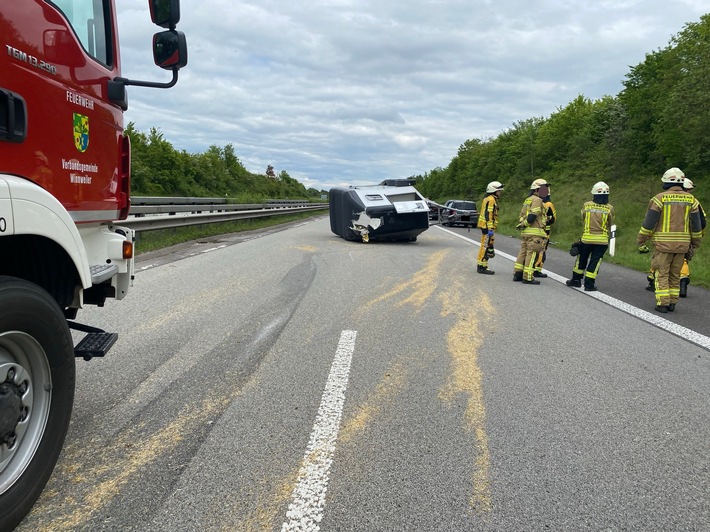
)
(459, 212)
(440, 210)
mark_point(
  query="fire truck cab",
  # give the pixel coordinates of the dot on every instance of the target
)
(64, 187)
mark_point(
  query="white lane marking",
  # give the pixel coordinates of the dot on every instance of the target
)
(213, 249)
(308, 498)
(662, 323)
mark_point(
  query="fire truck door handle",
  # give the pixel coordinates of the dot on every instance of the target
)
(13, 116)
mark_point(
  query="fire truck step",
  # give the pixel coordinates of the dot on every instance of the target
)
(101, 272)
(95, 344)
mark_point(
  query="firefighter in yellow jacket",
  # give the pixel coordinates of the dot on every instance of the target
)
(674, 224)
(488, 224)
(685, 270)
(532, 223)
(597, 219)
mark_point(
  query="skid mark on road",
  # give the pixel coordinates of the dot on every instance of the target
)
(464, 341)
(309, 484)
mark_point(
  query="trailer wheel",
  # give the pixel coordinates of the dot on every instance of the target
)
(37, 374)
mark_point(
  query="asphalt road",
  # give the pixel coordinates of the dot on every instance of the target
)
(616, 282)
(289, 379)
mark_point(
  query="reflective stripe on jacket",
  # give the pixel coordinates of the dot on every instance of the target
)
(597, 218)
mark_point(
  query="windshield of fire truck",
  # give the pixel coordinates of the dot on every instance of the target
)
(88, 19)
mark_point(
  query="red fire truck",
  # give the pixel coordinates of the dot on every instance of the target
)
(64, 183)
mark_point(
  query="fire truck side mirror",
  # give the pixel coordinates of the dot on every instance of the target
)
(165, 13)
(170, 49)
(169, 52)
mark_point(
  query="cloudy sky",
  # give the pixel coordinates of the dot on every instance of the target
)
(350, 92)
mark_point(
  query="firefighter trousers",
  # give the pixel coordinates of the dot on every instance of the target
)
(588, 263)
(485, 244)
(684, 271)
(531, 246)
(666, 276)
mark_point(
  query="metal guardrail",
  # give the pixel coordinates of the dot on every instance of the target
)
(185, 200)
(152, 213)
(180, 200)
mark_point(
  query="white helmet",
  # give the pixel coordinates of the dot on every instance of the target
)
(688, 184)
(600, 188)
(494, 186)
(538, 183)
(673, 175)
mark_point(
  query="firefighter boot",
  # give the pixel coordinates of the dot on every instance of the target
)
(484, 270)
(517, 276)
(589, 285)
(575, 281)
(684, 282)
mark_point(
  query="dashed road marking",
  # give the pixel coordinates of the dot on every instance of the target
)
(308, 499)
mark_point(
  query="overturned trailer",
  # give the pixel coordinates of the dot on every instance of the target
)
(393, 211)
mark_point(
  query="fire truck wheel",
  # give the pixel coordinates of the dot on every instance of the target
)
(37, 375)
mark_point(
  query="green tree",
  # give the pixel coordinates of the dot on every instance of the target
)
(683, 128)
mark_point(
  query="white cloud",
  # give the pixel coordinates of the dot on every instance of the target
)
(355, 91)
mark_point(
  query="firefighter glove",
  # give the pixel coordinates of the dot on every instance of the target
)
(689, 254)
(644, 249)
(490, 232)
